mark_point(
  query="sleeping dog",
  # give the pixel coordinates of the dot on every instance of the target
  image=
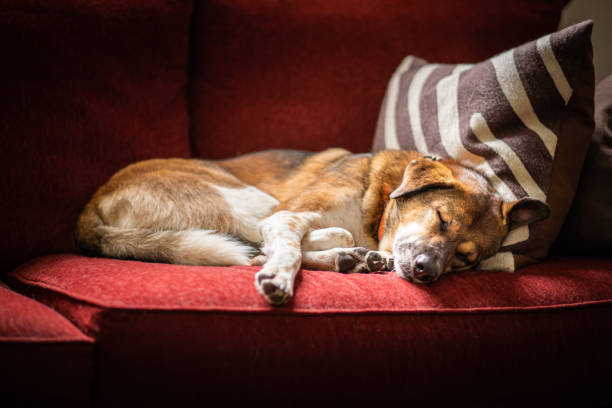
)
(285, 209)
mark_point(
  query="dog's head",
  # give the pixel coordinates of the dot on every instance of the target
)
(445, 216)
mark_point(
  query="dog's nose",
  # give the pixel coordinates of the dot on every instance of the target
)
(425, 268)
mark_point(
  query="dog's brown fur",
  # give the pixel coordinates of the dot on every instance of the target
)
(441, 211)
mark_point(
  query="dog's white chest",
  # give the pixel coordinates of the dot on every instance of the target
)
(349, 217)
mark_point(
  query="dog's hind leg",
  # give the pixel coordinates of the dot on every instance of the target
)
(327, 238)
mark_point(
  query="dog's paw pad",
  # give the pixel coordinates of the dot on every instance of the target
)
(359, 260)
(346, 262)
(275, 292)
(269, 288)
(375, 261)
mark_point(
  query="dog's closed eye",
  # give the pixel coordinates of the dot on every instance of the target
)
(443, 223)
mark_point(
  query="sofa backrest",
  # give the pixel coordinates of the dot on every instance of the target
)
(309, 74)
(88, 87)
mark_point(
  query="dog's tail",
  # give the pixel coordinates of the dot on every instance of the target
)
(185, 247)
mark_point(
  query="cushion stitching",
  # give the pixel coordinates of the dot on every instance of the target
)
(317, 311)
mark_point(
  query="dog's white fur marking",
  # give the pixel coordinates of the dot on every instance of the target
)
(350, 216)
(406, 234)
(322, 260)
(407, 230)
(282, 234)
(327, 238)
(218, 249)
(189, 247)
(249, 206)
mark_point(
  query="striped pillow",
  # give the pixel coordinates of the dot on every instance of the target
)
(524, 118)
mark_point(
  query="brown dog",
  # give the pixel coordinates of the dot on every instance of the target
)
(329, 211)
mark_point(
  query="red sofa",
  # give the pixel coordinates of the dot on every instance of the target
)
(89, 87)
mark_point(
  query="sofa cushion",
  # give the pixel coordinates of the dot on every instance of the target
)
(524, 118)
(87, 87)
(588, 227)
(44, 357)
(181, 333)
(310, 74)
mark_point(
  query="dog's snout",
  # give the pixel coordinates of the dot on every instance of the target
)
(418, 260)
(425, 268)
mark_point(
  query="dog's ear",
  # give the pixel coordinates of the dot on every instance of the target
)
(524, 211)
(424, 174)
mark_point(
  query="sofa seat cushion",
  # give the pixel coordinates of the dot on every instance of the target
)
(44, 357)
(181, 333)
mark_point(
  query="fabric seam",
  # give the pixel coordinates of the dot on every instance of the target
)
(318, 311)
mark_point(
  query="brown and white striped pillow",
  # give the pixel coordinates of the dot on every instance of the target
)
(524, 118)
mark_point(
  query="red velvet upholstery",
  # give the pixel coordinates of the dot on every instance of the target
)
(310, 74)
(43, 356)
(87, 88)
(180, 333)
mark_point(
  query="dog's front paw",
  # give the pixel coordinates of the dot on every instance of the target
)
(351, 260)
(273, 286)
(360, 260)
